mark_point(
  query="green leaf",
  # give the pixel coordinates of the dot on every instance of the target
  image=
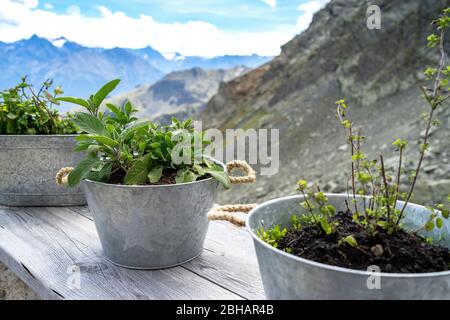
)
(105, 140)
(78, 101)
(100, 175)
(138, 173)
(429, 226)
(11, 115)
(81, 146)
(83, 137)
(439, 223)
(326, 226)
(82, 169)
(350, 240)
(185, 176)
(131, 130)
(89, 124)
(155, 174)
(112, 108)
(216, 171)
(104, 92)
(180, 176)
(445, 213)
(128, 107)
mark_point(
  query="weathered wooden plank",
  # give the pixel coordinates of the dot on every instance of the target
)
(228, 259)
(43, 245)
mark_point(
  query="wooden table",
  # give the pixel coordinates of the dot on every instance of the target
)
(56, 251)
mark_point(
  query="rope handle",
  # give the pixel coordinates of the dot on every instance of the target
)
(225, 212)
(250, 175)
(61, 176)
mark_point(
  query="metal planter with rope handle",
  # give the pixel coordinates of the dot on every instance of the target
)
(154, 226)
(286, 276)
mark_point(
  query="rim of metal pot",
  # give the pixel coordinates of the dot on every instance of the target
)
(323, 265)
(157, 185)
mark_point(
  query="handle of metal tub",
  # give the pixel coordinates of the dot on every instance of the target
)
(228, 212)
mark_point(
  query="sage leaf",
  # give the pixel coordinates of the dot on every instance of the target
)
(89, 123)
(102, 174)
(105, 140)
(82, 170)
(138, 173)
(155, 174)
(104, 92)
(78, 101)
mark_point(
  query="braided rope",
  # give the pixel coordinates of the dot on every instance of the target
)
(61, 176)
(225, 212)
(236, 207)
(226, 216)
(250, 176)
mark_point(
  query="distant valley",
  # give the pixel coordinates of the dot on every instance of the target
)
(180, 93)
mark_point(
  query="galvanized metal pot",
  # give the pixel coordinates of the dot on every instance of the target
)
(286, 276)
(28, 165)
(154, 226)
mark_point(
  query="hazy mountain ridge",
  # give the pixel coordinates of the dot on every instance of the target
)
(81, 70)
(180, 93)
(377, 71)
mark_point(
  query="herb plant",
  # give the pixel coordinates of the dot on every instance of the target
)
(26, 111)
(381, 210)
(119, 149)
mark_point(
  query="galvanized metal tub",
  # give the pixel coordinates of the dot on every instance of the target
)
(286, 276)
(154, 226)
(28, 165)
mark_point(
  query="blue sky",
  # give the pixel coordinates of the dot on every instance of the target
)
(252, 15)
(198, 27)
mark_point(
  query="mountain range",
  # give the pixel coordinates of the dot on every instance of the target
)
(378, 72)
(81, 70)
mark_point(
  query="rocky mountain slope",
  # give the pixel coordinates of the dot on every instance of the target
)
(377, 71)
(80, 70)
(179, 93)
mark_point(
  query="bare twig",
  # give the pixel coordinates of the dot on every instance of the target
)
(386, 190)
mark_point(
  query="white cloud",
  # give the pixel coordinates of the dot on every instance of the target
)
(308, 9)
(21, 19)
(48, 6)
(270, 3)
(73, 10)
(29, 3)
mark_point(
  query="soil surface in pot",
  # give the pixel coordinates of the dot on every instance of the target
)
(168, 177)
(401, 252)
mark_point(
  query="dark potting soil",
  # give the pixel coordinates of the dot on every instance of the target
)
(401, 252)
(168, 177)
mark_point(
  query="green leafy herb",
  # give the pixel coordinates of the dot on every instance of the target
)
(123, 150)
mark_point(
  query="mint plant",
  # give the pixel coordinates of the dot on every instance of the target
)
(119, 149)
(23, 110)
(381, 209)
